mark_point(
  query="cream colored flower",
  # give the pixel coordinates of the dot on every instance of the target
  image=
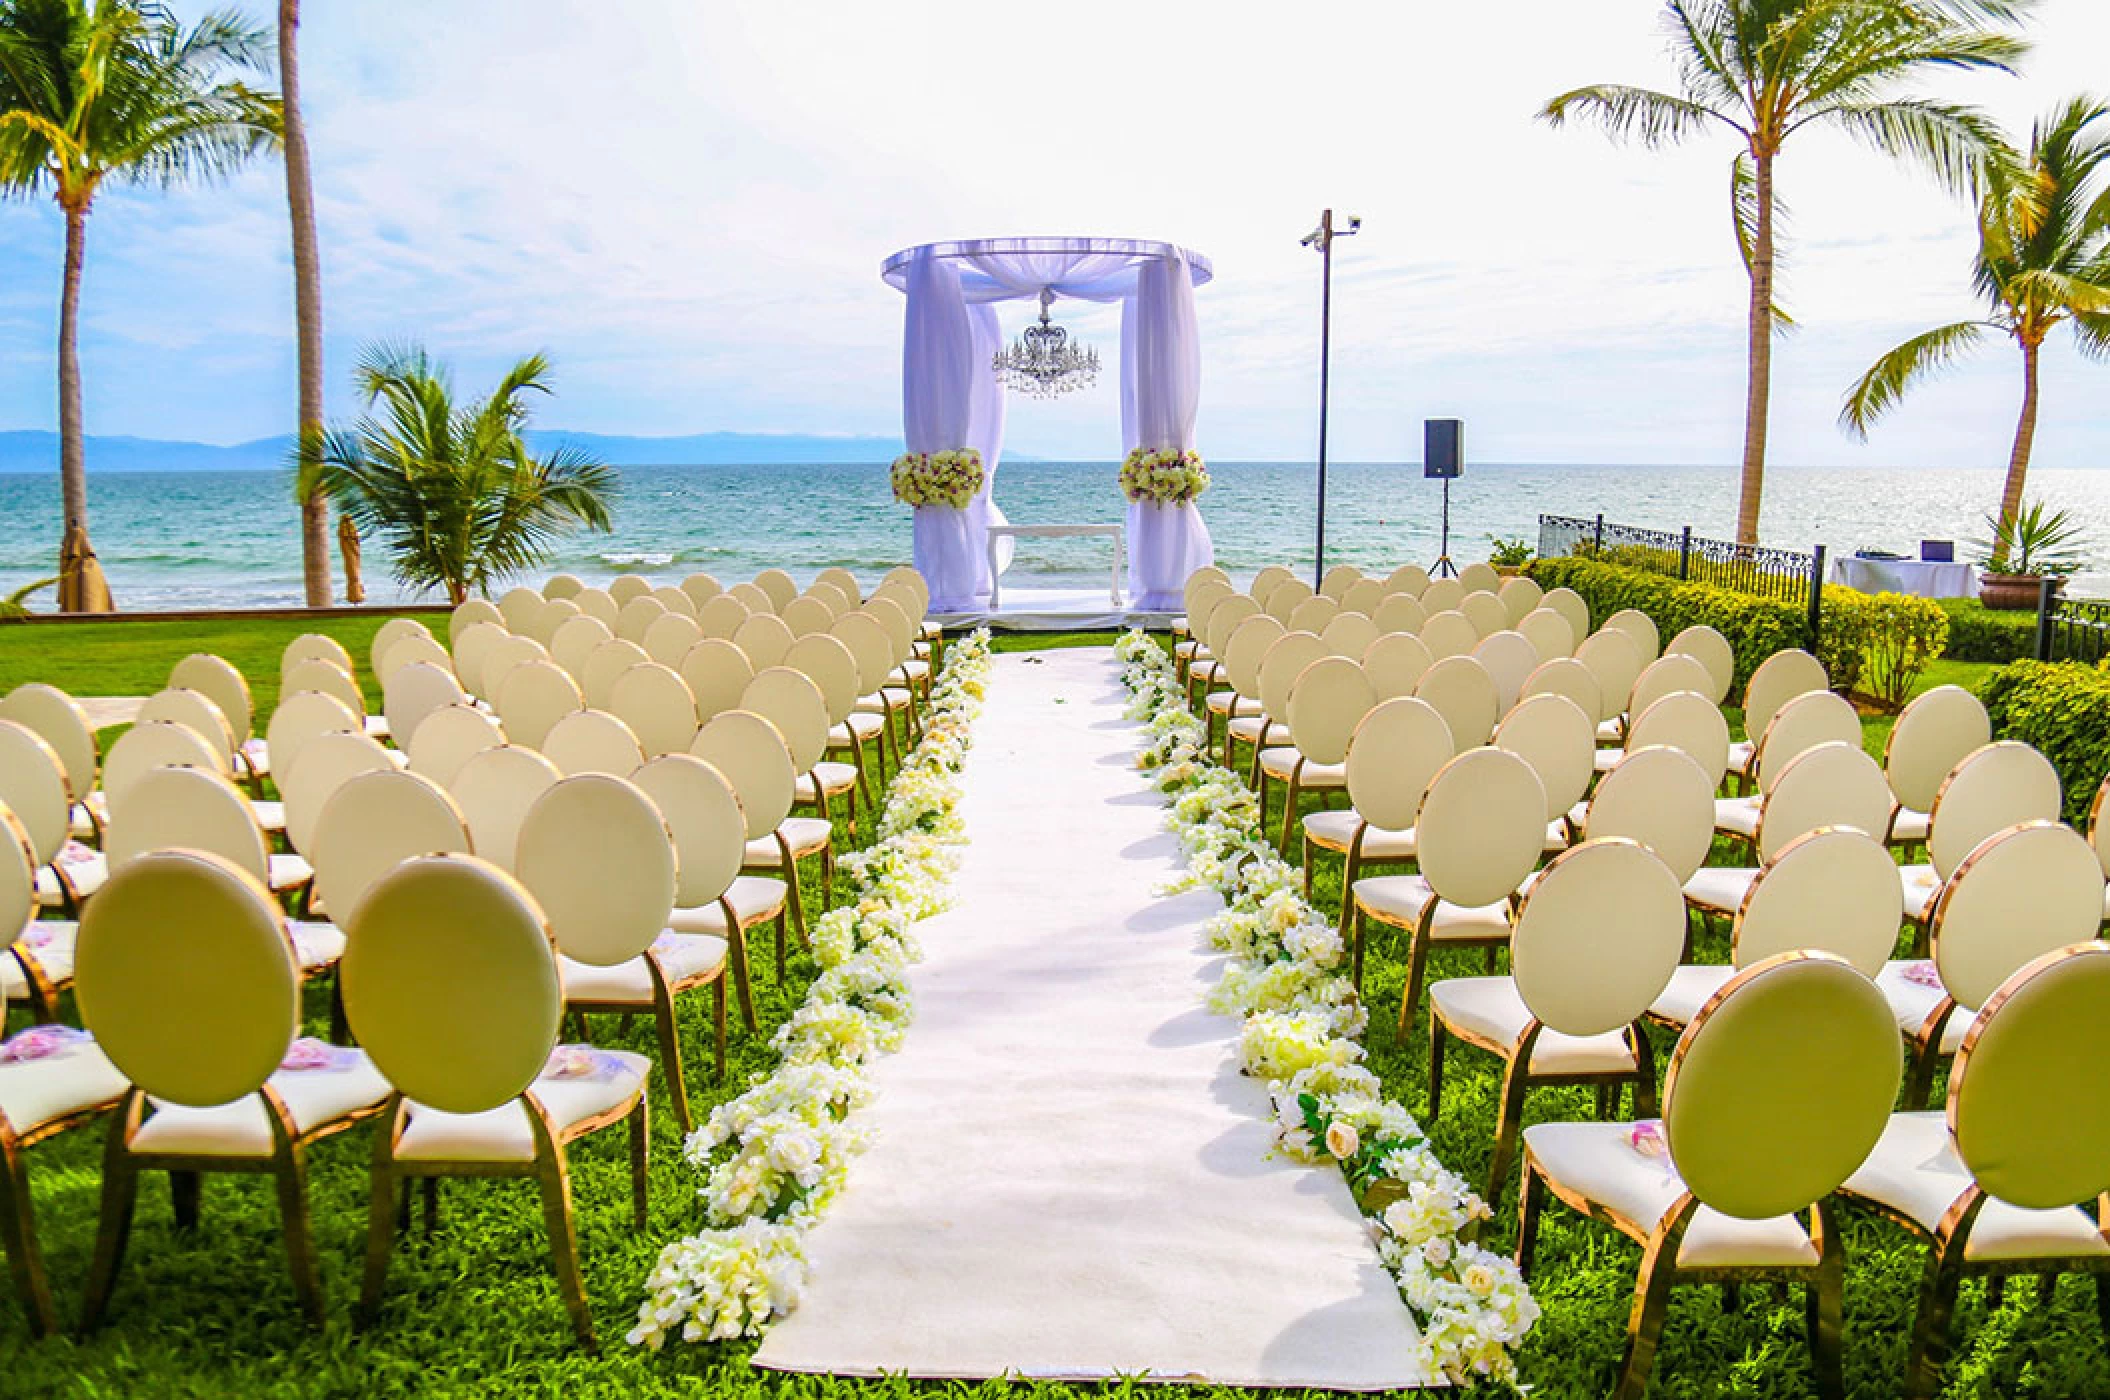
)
(1342, 1140)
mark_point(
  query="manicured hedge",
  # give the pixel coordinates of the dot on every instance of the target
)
(1978, 633)
(2062, 707)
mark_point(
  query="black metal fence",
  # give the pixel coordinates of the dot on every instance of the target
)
(2071, 629)
(1786, 575)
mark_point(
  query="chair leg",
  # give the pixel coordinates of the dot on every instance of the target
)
(1645, 1327)
(718, 1021)
(1509, 1120)
(553, 1174)
(184, 1190)
(670, 1056)
(1824, 1297)
(1410, 995)
(640, 1160)
(2102, 1303)
(1289, 808)
(737, 952)
(120, 1195)
(18, 1236)
(796, 901)
(1930, 1327)
(1531, 1203)
(380, 1227)
(291, 1177)
(1438, 1041)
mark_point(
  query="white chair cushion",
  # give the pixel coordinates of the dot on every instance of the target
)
(1741, 755)
(1736, 815)
(317, 943)
(1399, 899)
(1492, 1009)
(681, 956)
(1689, 988)
(1611, 731)
(1910, 827)
(72, 1075)
(315, 1098)
(256, 756)
(1599, 1162)
(1334, 830)
(1604, 760)
(883, 701)
(1922, 888)
(1277, 763)
(1246, 728)
(914, 670)
(50, 943)
(1913, 992)
(860, 726)
(1914, 1170)
(289, 873)
(1230, 702)
(377, 727)
(834, 778)
(1720, 888)
(807, 836)
(271, 816)
(1556, 836)
(753, 897)
(502, 1134)
(85, 869)
(1188, 648)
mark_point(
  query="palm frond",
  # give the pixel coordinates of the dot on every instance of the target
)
(1888, 380)
(1743, 213)
(1653, 118)
(1959, 146)
(2092, 331)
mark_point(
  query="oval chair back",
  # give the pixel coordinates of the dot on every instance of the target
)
(593, 741)
(1780, 678)
(1409, 579)
(842, 578)
(1481, 828)
(595, 853)
(537, 694)
(1614, 659)
(902, 575)
(314, 646)
(1688, 720)
(322, 678)
(1286, 597)
(217, 680)
(33, 788)
(717, 672)
(1667, 675)
(749, 751)
(472, 611)
(1201, 597)
(1326, 703)
(1569, 678)
(158, 744)
(299, 720)
(1400, 612)
(1661, 798)
(1248, 646)
(58, 719)
(555, 613)
(704, 819)
(1338, 580)
(1936, 731)
(669, 638)
(608, 661)
(195, 712)
(765, 639)
(18, 881)
(780, 587)
(2014, 1075)
(1520, 598)
(562, 586)
(1834, 889)
(1312, 614)
(793, 704)
(1510, 658)
(900, 631)
(386, 636)
(657, 705)
(326, 764)
(1397, 750)
(1570, 605)
(625, 587)
(1597, 937)
(1349, 634)
(1464, 694)
(418, 689)
(1224, 618)
(1449, 633)
(472, 654)
(1559, 741)
(701, 588)
(1802, 723)
(494, 790)
(1835, 784)
(1442, 595)
(412, 649)
(1642, 628)
(826, 662)
(753, 599)
(1395, 663)
(1549, 632)
(189, 808)
(1996, 787)
(373, 824)
(501, 656)
(2023, 893)
(806, 616)
(1711, 649)
(721, 616)
(838, 602)
(635, 618)
(1479, 577)
(1765, 1119)
(869, 648)
(171, 932)
(674, 600)
(450, 737)
(1280, 667)
(1365, 596)
(598, 604)
(1485, 611)
(522, 609)
(446, 951)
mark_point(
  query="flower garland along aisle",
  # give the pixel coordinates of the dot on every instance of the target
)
(1302, 1020)
(776, 1157)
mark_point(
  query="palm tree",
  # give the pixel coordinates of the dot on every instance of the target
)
(453, 489)
(1765, 69)
(95, 90)
(307, 304)
(2043, 261)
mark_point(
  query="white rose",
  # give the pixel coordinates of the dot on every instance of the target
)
(1438, 1252)
(1341, 1140)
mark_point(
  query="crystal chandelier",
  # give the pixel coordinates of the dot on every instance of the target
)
(1042, 363)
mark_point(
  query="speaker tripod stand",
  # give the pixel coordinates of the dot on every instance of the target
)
(1443, 567)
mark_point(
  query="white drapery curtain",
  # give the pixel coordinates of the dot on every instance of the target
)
(952, 399)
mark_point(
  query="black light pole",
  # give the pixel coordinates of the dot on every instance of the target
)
(1322, 238)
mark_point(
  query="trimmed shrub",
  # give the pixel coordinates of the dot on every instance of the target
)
(1905, 634)
(1977, 633)
(2063, 708)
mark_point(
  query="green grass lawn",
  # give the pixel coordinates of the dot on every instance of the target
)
(473, 1309)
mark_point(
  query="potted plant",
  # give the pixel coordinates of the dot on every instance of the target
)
(2020, 553)
(1509, 556)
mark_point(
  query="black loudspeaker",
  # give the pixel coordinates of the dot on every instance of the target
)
(1443, 448)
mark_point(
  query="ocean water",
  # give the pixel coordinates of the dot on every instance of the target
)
(231, 539)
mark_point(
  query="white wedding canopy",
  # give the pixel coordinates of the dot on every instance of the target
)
(951, 397)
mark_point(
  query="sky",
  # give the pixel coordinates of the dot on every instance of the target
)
(686, 206)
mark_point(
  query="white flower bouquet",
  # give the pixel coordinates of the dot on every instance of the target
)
(1168, 476)
(950, 479)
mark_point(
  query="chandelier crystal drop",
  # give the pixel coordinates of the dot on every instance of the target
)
(1042, 363)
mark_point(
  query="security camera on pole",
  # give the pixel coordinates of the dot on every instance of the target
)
(1322, 238)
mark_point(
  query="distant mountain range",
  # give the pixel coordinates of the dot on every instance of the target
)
(37, 451)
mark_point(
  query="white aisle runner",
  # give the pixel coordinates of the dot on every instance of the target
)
(1070, 1177)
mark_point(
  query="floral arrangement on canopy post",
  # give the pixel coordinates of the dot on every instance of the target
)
(1166, 476)
(950, 480)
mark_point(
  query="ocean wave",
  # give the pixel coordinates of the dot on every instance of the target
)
(632, 559)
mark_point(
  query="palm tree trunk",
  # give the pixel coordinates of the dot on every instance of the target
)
(76, 593)
(2025, 441)
(307, 305)
(1760, 328)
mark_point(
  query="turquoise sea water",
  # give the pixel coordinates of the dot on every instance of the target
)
(214, 539)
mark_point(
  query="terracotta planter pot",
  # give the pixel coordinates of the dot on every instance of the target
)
(2011, 592)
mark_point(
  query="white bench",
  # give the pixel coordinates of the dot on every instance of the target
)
(1118, 534)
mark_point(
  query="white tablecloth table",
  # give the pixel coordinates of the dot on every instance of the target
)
(1000, 533)
(1916, 577)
